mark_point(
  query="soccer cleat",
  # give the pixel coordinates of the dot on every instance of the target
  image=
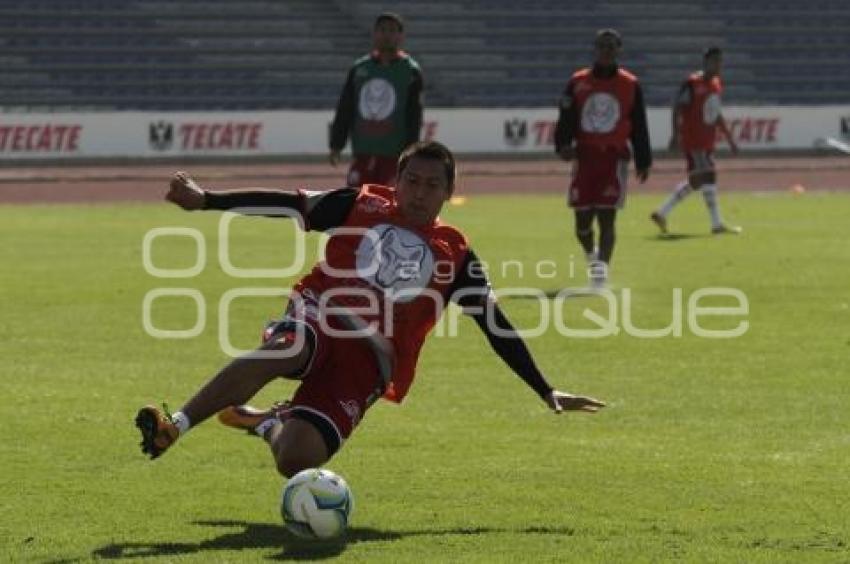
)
(660, 221)
(158, 432)
(726, 229)
(247, 418)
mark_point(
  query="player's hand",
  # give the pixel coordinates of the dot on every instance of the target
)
(642, 174)
(185, 192)
(567, 153)
(560, 401)
(333, 157)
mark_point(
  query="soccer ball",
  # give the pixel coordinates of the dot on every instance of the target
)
(316, 504)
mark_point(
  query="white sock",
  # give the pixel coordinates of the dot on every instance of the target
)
(709, 194)
(680, 192)
(265, 425)
(181, 421)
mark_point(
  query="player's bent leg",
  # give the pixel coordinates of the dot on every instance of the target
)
(298, 444)
(680, 192)
(240, 380)
(252, 419)
(606, 218)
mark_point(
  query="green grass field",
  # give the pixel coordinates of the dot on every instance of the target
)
(710, 449)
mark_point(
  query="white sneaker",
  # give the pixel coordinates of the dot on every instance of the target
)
(598, 274)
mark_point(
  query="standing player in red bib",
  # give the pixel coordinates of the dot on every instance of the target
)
(601, 121)
(354, 326)
(697, 118)
(380, 106)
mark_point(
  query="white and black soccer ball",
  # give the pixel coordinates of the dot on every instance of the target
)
(316, 504)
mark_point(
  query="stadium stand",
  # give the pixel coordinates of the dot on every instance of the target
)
(266, 54)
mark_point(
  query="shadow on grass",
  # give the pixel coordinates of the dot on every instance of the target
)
(677, 236)
(271, 536)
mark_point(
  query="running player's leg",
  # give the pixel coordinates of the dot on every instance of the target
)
(606, 217)
(707, 182)
(235, 384)
(680, 192)
(584, 231)
(341, 379)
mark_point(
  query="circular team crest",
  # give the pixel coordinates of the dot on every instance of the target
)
(396, 261)
(377, 99)
(711, 109)
(600, 113)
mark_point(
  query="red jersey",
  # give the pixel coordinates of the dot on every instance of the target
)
(408, 270)
(604, 107)
(699, 103)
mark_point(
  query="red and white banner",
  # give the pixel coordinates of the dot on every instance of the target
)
(154, 134)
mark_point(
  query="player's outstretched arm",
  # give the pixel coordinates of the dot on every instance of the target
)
(512, 349)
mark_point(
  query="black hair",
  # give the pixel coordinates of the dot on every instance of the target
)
(609, 32)
(389, 17)
(712, 51)
(431, 150)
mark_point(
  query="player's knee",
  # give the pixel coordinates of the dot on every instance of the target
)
(287, 357)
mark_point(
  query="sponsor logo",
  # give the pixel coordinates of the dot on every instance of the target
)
(600, 113)
(377, 100)
(351, 409)
(751, 130)
(395, 260)
(516, 132)
(519, 132)
(40, 138)
(228, 135)
(161, 135)
(374, 205)
(711, 109)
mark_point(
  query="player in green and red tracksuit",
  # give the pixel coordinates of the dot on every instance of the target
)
(380, 107)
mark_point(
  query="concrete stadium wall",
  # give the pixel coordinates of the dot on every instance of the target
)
(154, 135)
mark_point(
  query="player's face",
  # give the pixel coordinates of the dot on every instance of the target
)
(607, 49)
(711, 65)
(387, 36)
(422, 189)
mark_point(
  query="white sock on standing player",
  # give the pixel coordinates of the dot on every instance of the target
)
(709, 194)
(679, 193)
